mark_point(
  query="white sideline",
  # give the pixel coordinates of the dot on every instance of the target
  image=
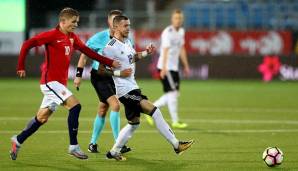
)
(214, 121)
(239, 109)
(176, 131)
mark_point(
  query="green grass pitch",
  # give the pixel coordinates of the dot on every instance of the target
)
(232, 123)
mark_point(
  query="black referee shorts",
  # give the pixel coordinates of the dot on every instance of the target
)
(103, 85)
(131, 102)
(171, 81)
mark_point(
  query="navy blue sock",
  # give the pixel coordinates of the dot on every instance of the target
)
(31, 127)
(73, 123)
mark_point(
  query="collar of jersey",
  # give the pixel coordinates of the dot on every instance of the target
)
(125, 40)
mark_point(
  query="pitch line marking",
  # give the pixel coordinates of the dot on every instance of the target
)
(239, 109)
(214, 121)
(176, 131)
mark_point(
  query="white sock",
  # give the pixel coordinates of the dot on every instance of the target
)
(161, 101)
(164, 128)
(173, 105)
(124, 135)
(14, 138)
(72, 147)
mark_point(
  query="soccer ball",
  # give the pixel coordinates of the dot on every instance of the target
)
(273, 156)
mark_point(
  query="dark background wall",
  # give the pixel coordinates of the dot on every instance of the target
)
(219, 67)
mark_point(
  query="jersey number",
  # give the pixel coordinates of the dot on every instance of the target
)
(130, 58)
(67, 50)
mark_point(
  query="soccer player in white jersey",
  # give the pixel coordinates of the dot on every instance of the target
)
(172, 47)
(130, 94)
(102, 81)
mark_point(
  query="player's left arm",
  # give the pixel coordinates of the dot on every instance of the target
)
(184, 60)
(140, 55)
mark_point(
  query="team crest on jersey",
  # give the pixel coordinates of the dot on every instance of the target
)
(71, 41)
(67, 50)
(63, 93)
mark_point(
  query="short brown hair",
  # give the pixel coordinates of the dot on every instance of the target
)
(177, 11)
(117, 19)
(68, 13)
(114, 12)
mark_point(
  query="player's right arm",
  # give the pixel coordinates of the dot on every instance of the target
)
(37, 40)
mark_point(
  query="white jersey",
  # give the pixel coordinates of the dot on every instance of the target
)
(124, 53)
(174, 40)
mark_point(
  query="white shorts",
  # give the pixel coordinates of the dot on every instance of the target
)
(55, 94)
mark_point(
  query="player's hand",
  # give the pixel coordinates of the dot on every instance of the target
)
(21, 73)
(186, 71)
(116, 64)
(126, 72)
(77, 82)
(150, 48)
(163, 73)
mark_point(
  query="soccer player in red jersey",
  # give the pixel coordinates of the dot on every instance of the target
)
(59, 46)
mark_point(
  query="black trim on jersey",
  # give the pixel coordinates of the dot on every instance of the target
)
(112, 42)
(48, 64)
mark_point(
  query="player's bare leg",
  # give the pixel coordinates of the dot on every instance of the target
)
(41, 117)
(74, 107)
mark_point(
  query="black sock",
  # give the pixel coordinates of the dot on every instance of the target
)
(73, 123)
(32, 127)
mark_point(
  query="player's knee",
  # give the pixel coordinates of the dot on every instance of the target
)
(102, 109)
(102, 112)
(43, 115)
(42, 119)
(115, 106)
(173, 95)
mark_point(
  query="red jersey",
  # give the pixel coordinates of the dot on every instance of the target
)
(59, 48)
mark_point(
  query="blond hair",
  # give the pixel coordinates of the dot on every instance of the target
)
(177, 11)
